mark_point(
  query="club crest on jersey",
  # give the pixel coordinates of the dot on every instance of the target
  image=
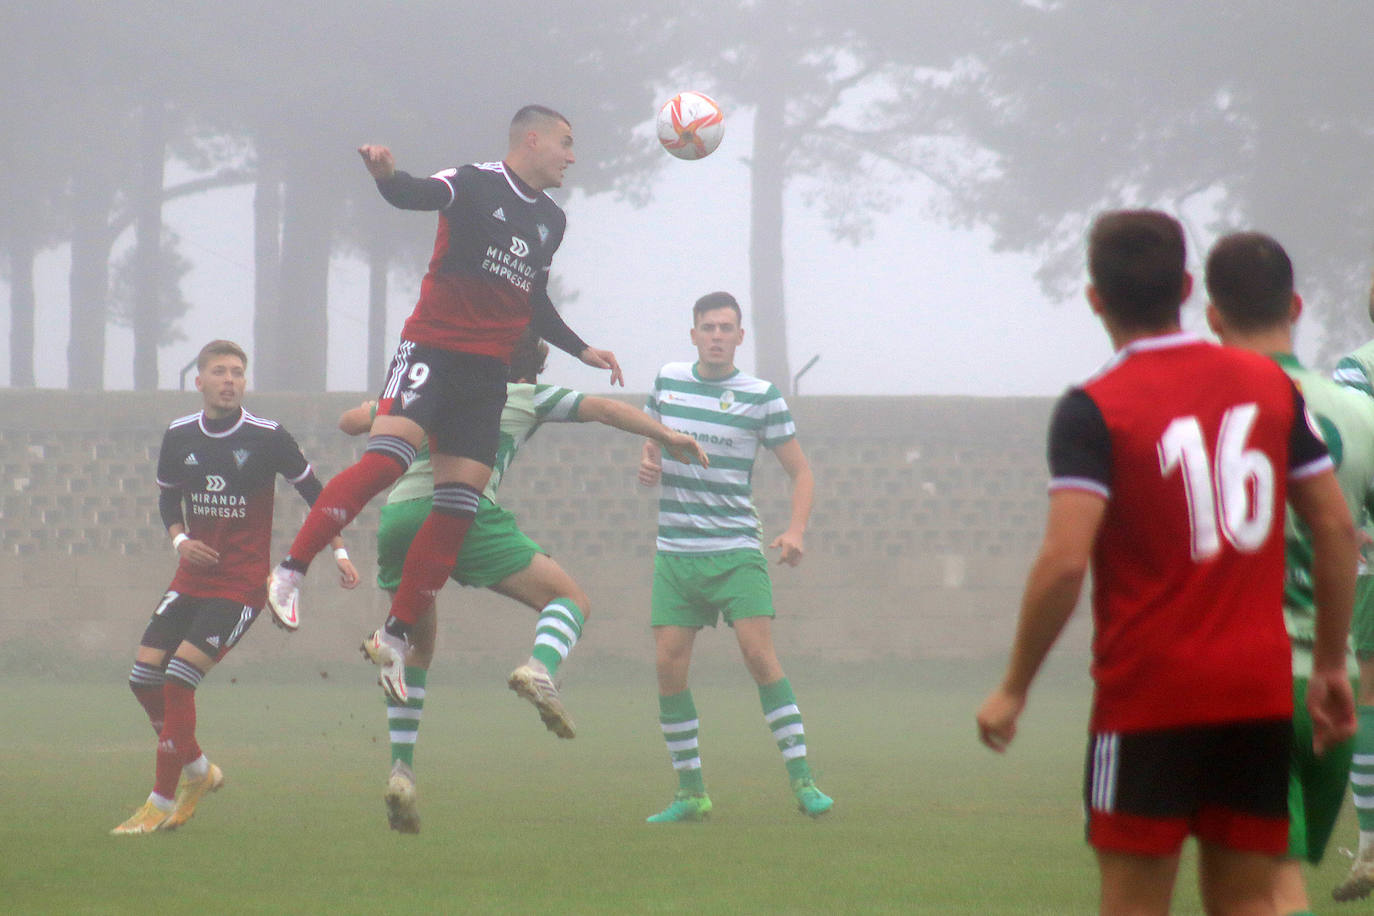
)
(499, 213)
(408, 397)
(543, 233)
(191, 460)
(240, 456)
(726, 399)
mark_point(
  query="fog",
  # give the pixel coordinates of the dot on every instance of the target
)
(906, 190)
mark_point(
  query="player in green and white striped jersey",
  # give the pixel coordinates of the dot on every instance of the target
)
(709, 563)
(1254, 306)
(1357, 371)
(496, 554)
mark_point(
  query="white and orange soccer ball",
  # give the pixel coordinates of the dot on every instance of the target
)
(690, 125)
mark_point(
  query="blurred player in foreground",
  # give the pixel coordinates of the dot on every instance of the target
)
(1253, 305)
(222, 462)
(1357, 371)
(487, 282)
(709, 564)
(1168, 475)
(497, 555)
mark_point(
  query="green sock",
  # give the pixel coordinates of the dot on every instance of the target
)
(404, 721)
(784, 719)
(556, 632)
(1362, 769)
(677, 716)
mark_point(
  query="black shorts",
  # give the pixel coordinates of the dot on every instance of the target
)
(212, 625)
(1144, 792)
(456, 398)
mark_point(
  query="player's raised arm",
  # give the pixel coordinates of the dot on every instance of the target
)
(632, 420)
(403, 190)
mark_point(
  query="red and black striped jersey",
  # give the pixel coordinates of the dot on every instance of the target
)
(1192, 446)
(227, 482)
(488, 276)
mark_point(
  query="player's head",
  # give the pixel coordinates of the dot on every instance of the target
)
(527, 358)
(221, 376)
(1250, 282)
(1136, 262)
(717, 330)
(541, 146)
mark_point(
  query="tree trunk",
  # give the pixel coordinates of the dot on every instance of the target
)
(267, 329)
(147, 310)
(305, 249)
(23, 250)
(378, 259)
(90, 280)
(766, 182)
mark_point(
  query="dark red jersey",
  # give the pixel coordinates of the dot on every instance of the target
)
(227, 482)
(489, 272)
(1192, 446)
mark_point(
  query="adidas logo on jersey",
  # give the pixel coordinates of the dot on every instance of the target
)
(499, 213)
(191, 460)
(212, 641)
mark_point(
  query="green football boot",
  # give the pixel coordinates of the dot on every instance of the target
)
(685, 807)
(811, 801)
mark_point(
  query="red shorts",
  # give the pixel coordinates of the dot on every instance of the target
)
(1144, 792)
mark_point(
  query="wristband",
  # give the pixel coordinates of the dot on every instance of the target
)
(340, 553)
(176, 541)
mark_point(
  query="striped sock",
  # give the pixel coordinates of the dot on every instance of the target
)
(403, 722)
(784, 719)
(677, 716)
(1362, 769)
(146, 683)
(556, 632)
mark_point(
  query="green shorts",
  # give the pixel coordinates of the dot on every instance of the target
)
(494, 548)
(1362, 623)
(695, 591)
(1316, 785)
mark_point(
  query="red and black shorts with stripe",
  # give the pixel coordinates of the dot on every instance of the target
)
(1227, 784)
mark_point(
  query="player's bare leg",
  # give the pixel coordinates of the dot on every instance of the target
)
(780, 711)
(563, 610)
(1135, 885)
(1236, 883)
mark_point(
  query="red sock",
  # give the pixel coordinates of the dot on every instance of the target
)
(177, 745)
(346, 494)
(428, 563)
(150, 698)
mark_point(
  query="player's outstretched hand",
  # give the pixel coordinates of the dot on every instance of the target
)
(650, 466)
(197, 553)
(603, 359)
(790, 543)
(348, 575)
(1331, 704)
(685, 449)
(997, 719)
(381, 165)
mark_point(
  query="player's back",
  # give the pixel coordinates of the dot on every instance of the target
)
(1188, 565)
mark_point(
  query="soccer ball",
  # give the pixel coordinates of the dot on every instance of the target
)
(690, 125)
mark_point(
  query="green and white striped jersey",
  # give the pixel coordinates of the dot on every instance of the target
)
(710, 510)
(1357, 370)
(527, 408)
(1346, 421)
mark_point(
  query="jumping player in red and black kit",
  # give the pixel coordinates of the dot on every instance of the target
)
(487, 282)
(222, 464)
(1169, 471)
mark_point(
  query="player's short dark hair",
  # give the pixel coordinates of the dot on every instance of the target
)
(219, 348)
(716, 301)
(531, 115)
(1250, 280)
(527, 358)
(1137, 262)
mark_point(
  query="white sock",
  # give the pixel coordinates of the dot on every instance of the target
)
(162, 804)
(196, 769)
(537, 665)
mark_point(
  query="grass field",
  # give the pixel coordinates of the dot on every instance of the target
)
(515, 821)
